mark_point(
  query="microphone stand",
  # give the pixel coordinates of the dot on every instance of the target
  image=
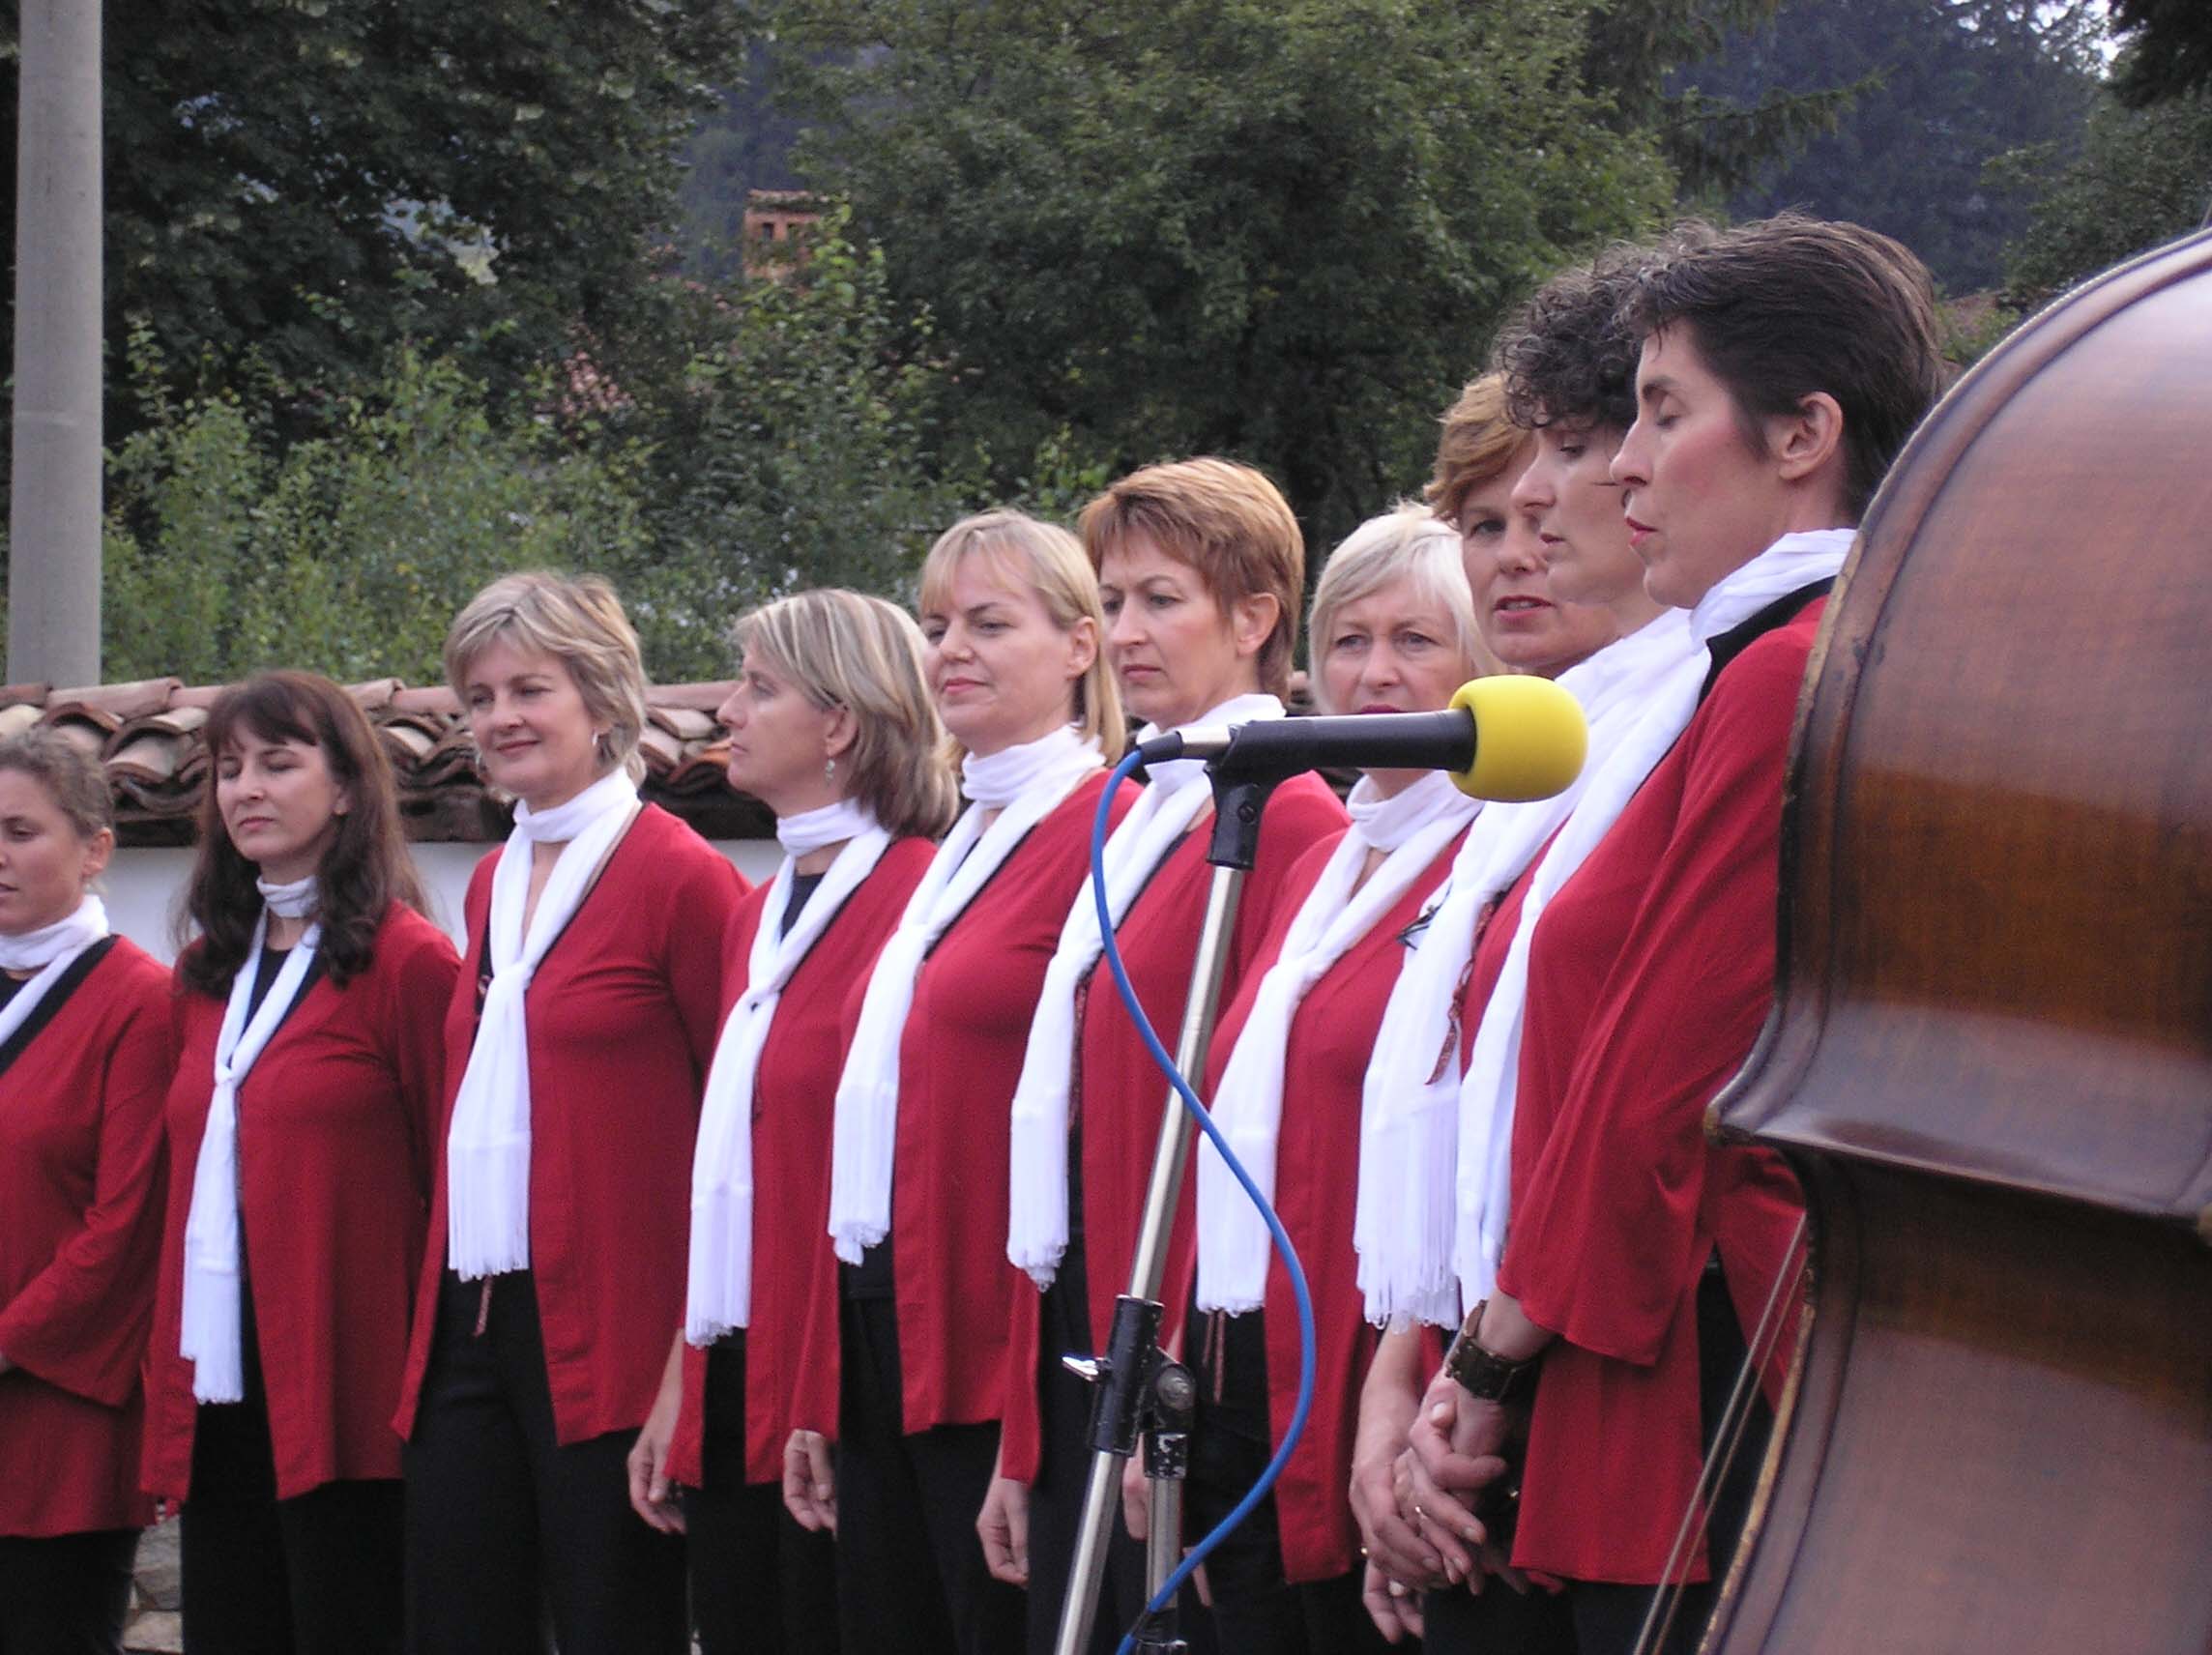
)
(1139, 1393)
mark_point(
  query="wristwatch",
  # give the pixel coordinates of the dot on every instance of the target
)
(1484, 1373)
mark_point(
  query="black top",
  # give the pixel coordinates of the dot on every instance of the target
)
(1741, 636)
(264, 979)
(802, 887)
(872, 1277)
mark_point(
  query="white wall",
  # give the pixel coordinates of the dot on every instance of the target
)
(143, 885)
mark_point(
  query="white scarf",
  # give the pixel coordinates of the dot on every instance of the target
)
(49, 951)
(1023, 784)
(1036, 1187)
(487, 1145)
(1488, 1093)
(212, 1340)
(1409, 1110)
(719, 1295)
(1414, 828)
(294, 900)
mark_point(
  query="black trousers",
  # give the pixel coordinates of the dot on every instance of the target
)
(759, 1584)
(1500, 1621)
(317, 1574)
(1056, 1497)
(911, 1579)
(65, 1594)
(505, 1524)
(1256, 1610)
(1603, 1619)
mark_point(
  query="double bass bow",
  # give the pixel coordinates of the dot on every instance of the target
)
(1989, 1057)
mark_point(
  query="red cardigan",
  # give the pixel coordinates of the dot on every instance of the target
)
(336, 1122)
(80, 1182)
(795, 1091)
(1317, 1194)
(1121, 1092)
(622, 1016)
(1649, 978)
(960, 1055)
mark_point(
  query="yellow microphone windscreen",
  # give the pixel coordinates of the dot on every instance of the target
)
(1529, 737)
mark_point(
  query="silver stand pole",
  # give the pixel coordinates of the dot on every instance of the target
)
(1130, 1367)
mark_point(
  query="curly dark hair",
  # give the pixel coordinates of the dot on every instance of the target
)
(365, 869)
(1568, 354)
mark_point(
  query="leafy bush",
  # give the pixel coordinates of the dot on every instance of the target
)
(350, 553)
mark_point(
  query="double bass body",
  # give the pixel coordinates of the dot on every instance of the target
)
(1991, 1056)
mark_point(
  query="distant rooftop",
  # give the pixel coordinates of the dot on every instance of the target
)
(147, 736)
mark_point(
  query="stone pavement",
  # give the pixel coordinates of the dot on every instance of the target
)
(154, 1627)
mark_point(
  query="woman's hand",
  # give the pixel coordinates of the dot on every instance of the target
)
(651, 1495)
(1452, 1450)
(1387, 1403)
(809, 1482)
(1136, 1497)
(1003, 1524)
(1394, 1607)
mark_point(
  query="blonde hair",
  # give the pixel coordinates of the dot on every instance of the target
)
(1406, 544)
(845, 649)
(1229, 524)
(1049, 560)
(1478, 445)
(579, 621)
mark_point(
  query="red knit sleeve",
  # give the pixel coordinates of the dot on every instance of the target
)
(80, 1323)
(703, 903)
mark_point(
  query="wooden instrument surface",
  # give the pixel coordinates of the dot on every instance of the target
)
(1991, 1056)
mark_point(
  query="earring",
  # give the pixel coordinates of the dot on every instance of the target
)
(829, 769)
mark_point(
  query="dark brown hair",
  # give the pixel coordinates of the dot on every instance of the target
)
(1568, 355)
(1793, 306)
(365, 869)
(71, 776)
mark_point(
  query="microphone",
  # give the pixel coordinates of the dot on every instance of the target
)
(1509, 738)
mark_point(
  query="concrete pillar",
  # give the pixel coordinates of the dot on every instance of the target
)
(53, 530)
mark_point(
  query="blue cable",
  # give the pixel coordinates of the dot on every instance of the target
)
(1282, 1241)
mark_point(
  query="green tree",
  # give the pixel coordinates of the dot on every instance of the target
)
(779, 449)
(786, 449)
(352, 552)
(302, 183)
(743, 145)
(1716, 143)
(1280, 229)
(2143, 176)
(2168, 49)
(1944, 87)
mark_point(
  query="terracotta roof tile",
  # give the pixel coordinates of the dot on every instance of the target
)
(147, 736)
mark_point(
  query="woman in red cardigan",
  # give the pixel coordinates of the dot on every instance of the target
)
(1202, 569)
(85, 1052)
(831, 728)
(576, 1046)
(1438, 1132)
(1394, 630)
(299, 1124)
(1783, 365)
(917, 1194)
